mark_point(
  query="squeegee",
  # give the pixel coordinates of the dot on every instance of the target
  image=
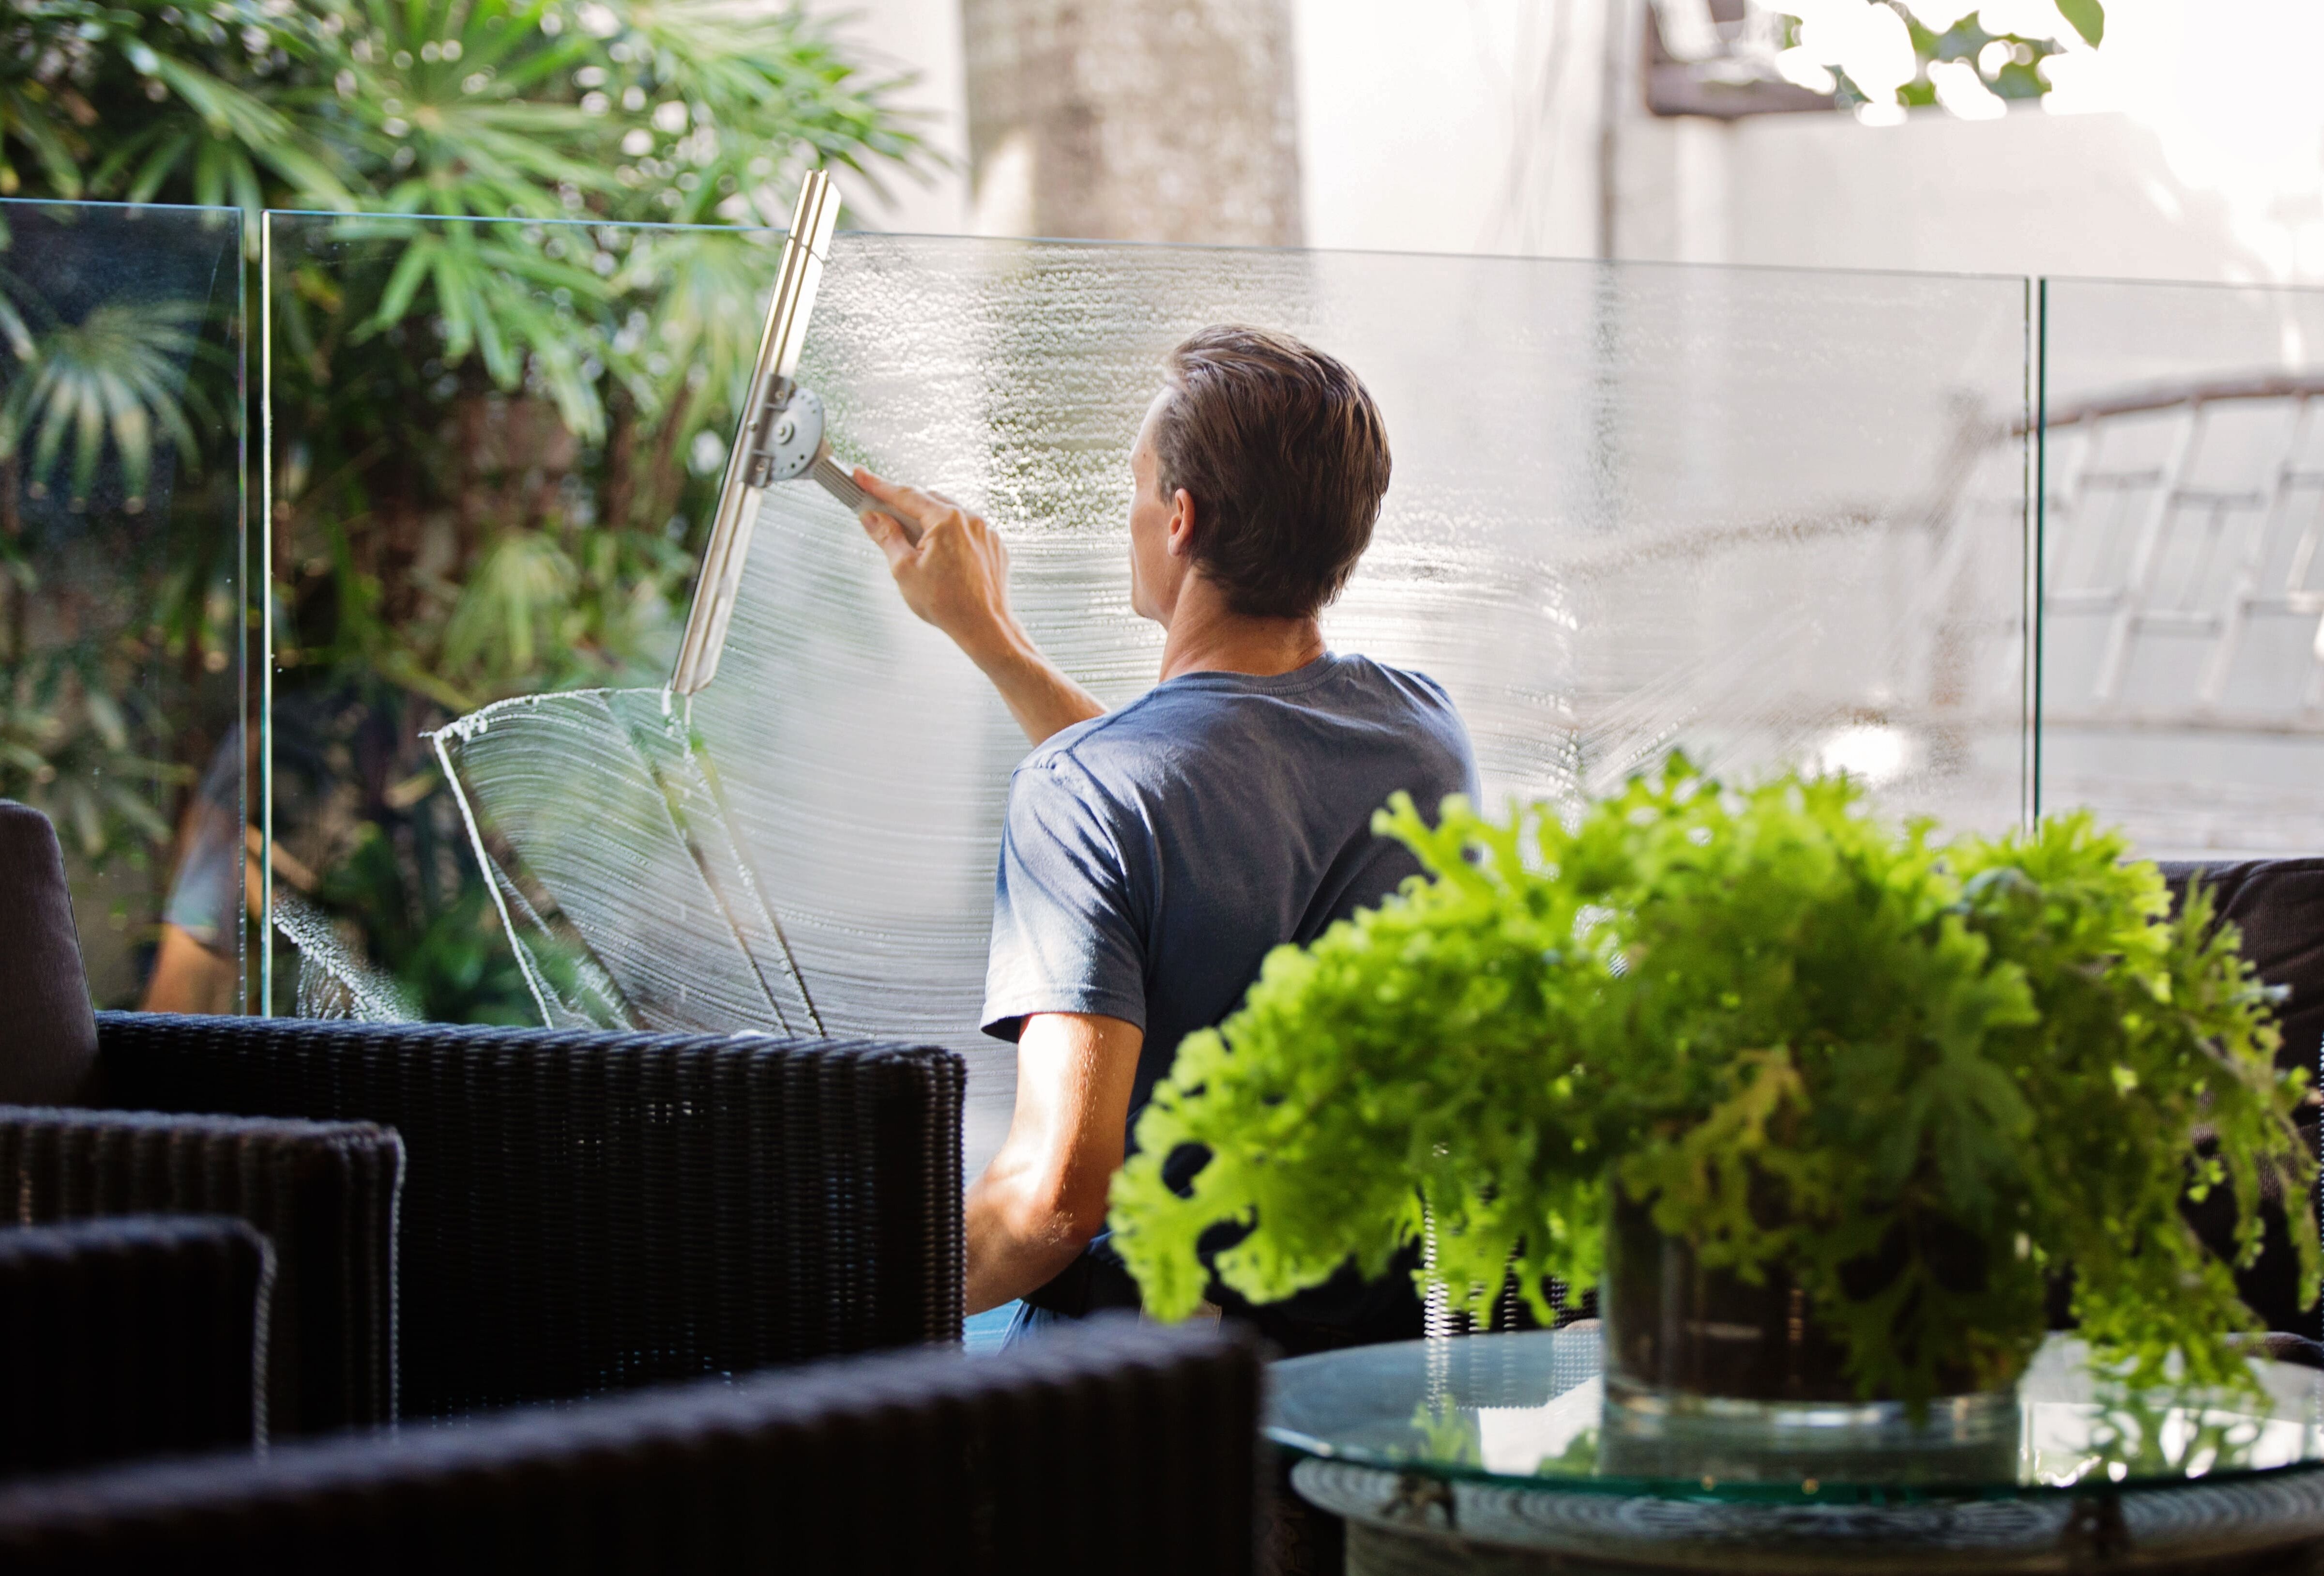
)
(780, 438)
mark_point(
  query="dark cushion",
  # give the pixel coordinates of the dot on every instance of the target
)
(323, 1194)
(48, 1036)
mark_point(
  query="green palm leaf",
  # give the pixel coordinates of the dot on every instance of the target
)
(111, 379)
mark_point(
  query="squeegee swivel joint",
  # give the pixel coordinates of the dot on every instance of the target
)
(780, 437)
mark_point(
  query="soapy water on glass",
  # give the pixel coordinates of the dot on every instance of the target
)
(1628, 513)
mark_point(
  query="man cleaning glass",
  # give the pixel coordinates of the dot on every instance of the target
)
(1154, 854)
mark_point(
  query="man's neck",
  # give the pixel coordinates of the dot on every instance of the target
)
(1206, 636)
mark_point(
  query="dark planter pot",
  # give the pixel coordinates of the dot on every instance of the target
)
(1709, 1375)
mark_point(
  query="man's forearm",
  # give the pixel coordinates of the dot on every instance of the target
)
(1015, 1244)
(953, 570)
(1043, 1196)
(1037, 693)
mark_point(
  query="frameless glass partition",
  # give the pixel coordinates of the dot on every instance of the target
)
(2182, 500)
(491, 448)
(123, 626)
(1762, 515)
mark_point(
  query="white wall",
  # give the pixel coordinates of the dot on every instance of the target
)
(2197, 150)
(920, 38)
(2030, 193)
(1468, 125)
(2190, 146)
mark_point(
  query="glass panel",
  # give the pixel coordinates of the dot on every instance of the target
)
(2182, 636)
(122, 622)
(486, 443)
(1765, 515)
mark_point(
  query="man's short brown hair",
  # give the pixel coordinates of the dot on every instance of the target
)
(1285, 457)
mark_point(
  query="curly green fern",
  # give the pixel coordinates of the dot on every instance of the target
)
(1920, 1076)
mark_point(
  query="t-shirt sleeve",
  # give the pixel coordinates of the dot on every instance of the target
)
(1068, 934)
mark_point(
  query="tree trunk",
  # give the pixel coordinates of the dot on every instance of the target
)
(1145, 120)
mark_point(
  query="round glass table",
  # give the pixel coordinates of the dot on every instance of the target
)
(1496, 1453)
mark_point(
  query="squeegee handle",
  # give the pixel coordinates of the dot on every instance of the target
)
(834, 479)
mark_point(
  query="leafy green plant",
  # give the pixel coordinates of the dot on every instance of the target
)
(679, 111)
(1920, 1077)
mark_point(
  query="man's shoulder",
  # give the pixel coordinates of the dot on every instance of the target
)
(1075, 749)
(1177, 722)
(1094, 763)
(1406, 683)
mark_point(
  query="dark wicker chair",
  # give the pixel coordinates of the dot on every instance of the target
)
(323, 1193)
(128, 1337)
(576, 1212)
(1121, 1446)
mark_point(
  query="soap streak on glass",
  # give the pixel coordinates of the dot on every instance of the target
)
(1768, 516)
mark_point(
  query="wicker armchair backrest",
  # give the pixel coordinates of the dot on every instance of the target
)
(589, 1211)
(322, 1192)
(127, 1338)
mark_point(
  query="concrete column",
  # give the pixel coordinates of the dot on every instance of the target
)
(1146, 120)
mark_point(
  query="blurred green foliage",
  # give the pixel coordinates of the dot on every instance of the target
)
(494, 443)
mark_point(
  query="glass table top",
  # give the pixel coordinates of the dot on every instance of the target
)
(1529, 1411)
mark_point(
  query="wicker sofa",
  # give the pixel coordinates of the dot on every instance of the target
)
(122, 1337)
(1124, 1447)
(297, 1226)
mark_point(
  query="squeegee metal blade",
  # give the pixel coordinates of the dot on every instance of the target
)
(720, 577)
(716, 584)
(803, 252)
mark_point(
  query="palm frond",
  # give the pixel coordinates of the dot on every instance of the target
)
(108, 380)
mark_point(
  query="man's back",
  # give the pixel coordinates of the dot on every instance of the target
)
(1154, 856)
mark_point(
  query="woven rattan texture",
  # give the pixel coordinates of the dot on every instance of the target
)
(322, 1192)
(586, 1212)
(1125, 1448)
(128, 1337)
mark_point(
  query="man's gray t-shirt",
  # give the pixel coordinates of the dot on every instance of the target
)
(1154, 856)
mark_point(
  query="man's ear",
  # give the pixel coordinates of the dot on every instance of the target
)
(1181, 538)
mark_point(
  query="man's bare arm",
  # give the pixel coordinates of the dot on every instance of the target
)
(1044, 1196)
(953, 570)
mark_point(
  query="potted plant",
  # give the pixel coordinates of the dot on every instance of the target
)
(1777, 1072)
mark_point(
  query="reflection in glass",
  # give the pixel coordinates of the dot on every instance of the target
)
(2183, 600)
(121, 612)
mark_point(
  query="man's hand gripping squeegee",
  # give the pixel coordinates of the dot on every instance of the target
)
(780, 438)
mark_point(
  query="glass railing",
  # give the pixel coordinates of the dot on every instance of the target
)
(1765, 515)
(2182, 505)
(123, 625)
